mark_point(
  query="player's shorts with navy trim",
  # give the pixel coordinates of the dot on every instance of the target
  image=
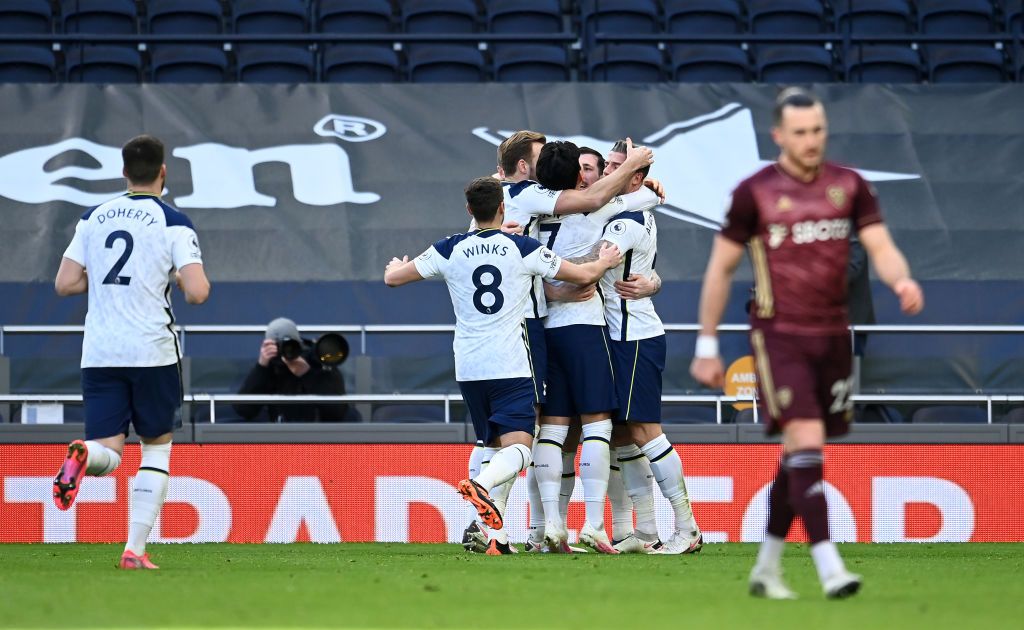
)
(537, 345)
(147, 398)
(638, 370)
(804, 376)
(499, 406)
(580, 376)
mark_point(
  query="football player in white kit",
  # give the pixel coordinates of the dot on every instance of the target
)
(638, 357)
(580, 381)
(122, 254)
(489, 275)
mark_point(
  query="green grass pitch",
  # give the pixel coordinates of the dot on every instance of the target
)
(440, 586)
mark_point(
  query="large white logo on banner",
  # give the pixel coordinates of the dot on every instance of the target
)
(222, 176)
(700, 160)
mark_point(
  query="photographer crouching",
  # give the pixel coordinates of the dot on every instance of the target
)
(290, 365)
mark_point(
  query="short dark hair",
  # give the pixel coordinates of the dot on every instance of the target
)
(620, 146)
(143, 156)
(595, 153)
(518, 146)
(558, 166)
(792, 97)
(483, 196)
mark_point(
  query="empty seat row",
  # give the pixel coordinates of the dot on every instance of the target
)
(459, 64)
(769, 17)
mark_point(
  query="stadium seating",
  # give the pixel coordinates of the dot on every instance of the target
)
(710, 63)
(950, 414)
(407, 413)
(25, 17)
(786, 17)
(106, 17)
(531, 63)
(103, 64)
(439, 16)
(1015, 416)
(27, 64)
(955, 17)
(1014, 11)
(874, 17)
(634, 63)
(710, 17)
(446, 64)
(884, 64)
(965, 64)
(689, 414)
(351, 63)
(794, 64)
(618, 17)
(354, 16)
(524, 16)
(276, 17)
(194, 17)
(275, 64)
(184, 64)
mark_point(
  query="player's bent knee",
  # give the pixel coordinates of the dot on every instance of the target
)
(517, 437)
(156, 456)
(802, 434)
(644, 432)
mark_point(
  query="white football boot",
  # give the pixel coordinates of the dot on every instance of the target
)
(768, 583)
(597, 539)
(682, 543)
(841, 584)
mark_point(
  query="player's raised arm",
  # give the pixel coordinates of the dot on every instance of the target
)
(602, 191)
(193, 283)
(707, 365)
(71, 278)
(608, 256)
(892, 267)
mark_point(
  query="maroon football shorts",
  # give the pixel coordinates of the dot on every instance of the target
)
(803, 376)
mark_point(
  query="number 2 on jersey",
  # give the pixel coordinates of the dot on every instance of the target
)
(483, 289)
(129, 244)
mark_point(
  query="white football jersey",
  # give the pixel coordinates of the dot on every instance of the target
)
(574, 235)
(489, 275)
(636, 234)
(525, 203)
(130, 246)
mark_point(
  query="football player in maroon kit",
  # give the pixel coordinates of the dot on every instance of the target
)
(795, 217)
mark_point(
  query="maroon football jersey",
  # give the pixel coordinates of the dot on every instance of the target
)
(798, 235)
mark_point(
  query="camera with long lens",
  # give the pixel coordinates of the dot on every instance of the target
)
(330, 348)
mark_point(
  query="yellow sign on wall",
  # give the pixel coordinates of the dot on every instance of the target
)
(741, 380)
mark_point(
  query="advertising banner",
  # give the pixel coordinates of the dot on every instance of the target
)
(330, 493)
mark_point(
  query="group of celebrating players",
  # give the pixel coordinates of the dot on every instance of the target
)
(557, 345)
(560, 341)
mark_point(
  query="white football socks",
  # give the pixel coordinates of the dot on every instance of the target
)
(148, 494)
(769, 554)
(595, 462)
(668, 472)
(547, 463)
(101, 460)
(536, 507)
(506, 464)
(826, 559)
(568, 485)
(476, 459)
(622, 507)
(637, 476)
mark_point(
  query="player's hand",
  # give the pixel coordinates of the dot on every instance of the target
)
(568, 292)
(636, 287)
(708, 372)
(512, 227)
(637, 157)
(911, 296)
(610, 255)
(268, 350)
(396, 261)
(656, 186)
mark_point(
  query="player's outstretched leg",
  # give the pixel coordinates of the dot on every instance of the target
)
(668, 472)
(148, 495)
(637, 477)
(807, 496)
(506, 464)
(766, 577)
(84, 457)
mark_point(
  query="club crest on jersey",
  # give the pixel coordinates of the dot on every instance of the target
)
(836, 196)
(784, 204)
(785, 397)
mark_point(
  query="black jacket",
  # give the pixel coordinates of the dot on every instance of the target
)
(277, 379)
